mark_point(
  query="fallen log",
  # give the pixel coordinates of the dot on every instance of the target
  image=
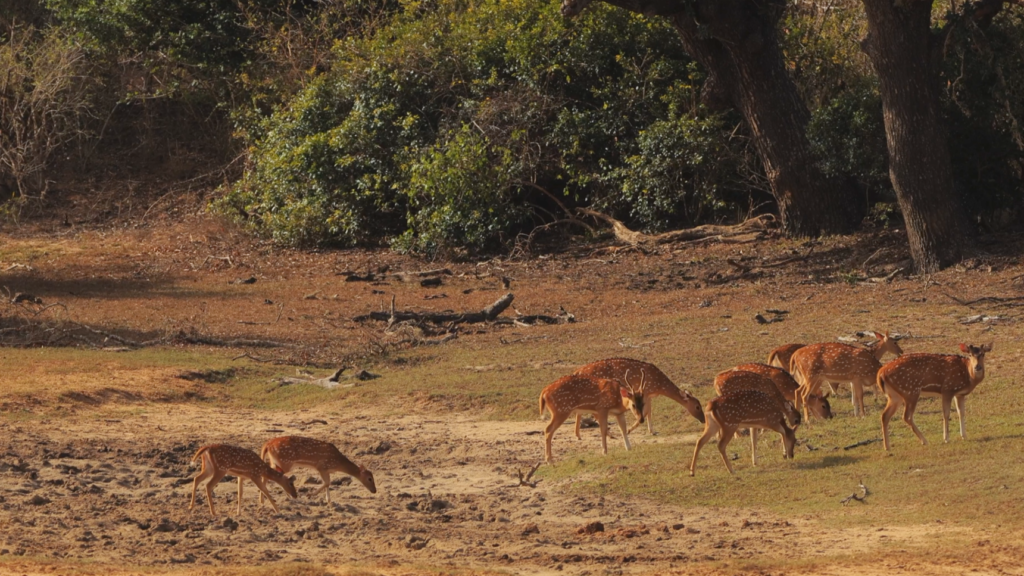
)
(634, 238)
(488, 314)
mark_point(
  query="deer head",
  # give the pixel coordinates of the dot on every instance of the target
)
(885, 344)
(976, 354)
(636, 394)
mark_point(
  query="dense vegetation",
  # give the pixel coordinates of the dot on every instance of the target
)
(445, 126)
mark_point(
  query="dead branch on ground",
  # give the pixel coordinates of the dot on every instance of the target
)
(862, 497)
(759, 224)
(526, 480)
(488, 314)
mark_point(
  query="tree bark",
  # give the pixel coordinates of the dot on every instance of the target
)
(900, 46)
(736, 41)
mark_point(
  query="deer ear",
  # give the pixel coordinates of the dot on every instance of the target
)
(987, 347)
(625, 393)
(292, 478)
(881, 336)
(964, 349)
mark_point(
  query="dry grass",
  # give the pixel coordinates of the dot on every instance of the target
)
(690, 326)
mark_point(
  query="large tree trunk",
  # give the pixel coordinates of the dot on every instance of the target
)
(736, 41)
(899, 44)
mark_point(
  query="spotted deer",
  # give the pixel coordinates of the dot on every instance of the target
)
(575, 394)
(818, 404)
(736, 380)
(743, 408)
(287, 452)
(815, 364)
(950, 376)
(656, 383)
(781, 355)
(218, 460)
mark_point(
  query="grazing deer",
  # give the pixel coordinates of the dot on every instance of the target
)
(951, 377)
(781, 355)
(655, 384)
(743, 408)
(736, 380)
(817, 403)
(575, 394)
(287, 452)
(814, 364)
(219, 460)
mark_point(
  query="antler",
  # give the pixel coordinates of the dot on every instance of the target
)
(643, 379)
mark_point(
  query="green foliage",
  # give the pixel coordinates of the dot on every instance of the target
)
(984, 98)
(464, 124)
(848, 136)
(462, 192)
(684, 170)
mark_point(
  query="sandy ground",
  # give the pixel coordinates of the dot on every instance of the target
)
(117, 492)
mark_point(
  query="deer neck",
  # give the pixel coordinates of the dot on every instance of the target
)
(342, 464)
(976, 372)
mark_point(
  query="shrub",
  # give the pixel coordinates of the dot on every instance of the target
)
(44, 102)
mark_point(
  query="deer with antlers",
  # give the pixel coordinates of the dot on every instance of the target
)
(574, 394)
(656, 383)
(287, 452)
(737, 380)
(817, 403)
(218, 460)
(950, 376)
(743, 408)
(815, 364)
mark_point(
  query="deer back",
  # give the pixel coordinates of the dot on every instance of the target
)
(781, 355)
(575, 392)
(308, 451)
(745, 407)
(736, 380)
(783, 381)
(941, 373)
(834, 361)
(655, 381)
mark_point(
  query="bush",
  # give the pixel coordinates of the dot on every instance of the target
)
(463, 125)
(44, 103)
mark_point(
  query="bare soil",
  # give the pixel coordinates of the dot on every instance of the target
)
(88, 490)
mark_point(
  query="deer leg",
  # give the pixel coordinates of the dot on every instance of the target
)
(891, 406)
(326, 477)
(722, 443)
(205, 473)
(711, 428)
(602, 421)
(274, 463)
(908, 417)
(946, 401)
(961, 413)
(579, 418)
(753, 444)
(857, 388)
(238, 508)
(258, 481)
(622, 426)
(215, 477)
(647, 416)
(549, 431)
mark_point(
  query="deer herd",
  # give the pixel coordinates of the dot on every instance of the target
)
(769, 396)
(757, 396)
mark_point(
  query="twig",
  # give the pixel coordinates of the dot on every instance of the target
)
(525, 480)
(861, 443)
(862, 497)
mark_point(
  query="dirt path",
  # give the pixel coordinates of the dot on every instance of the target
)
(117, 492)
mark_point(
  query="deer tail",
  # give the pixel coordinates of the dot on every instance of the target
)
(200, 453)
(542, 404)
